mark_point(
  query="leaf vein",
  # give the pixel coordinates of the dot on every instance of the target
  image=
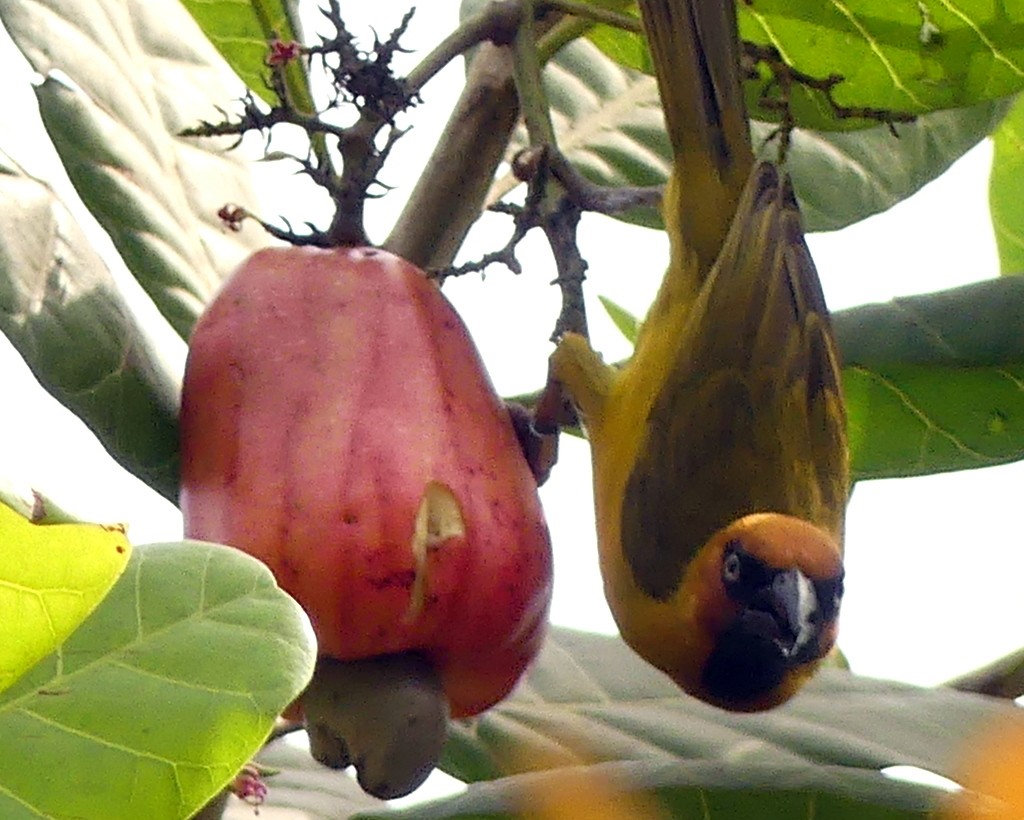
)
(931, 427)
(925, 326)
(141, 636)
(185, 684)
(22, 801)
(991, 46)
(879, 53)
(1018, 383)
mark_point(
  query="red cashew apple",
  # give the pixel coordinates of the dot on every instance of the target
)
(337, 423)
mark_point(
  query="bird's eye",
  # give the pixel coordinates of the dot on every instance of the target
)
(731, 568)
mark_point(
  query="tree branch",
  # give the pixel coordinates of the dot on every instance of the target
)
(449, 195)
(454, 184)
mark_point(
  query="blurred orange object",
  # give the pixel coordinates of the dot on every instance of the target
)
(566, 781)
(992, 774)
(586, 793)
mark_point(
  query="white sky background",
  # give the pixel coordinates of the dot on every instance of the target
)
(933, 564)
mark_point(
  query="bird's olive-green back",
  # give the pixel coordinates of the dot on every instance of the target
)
(750, 415)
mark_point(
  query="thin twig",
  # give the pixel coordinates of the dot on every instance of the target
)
(785, 78)
(458, 174)
(496, 23)
(589, 196)
(529, 80)
(364, 79)
(594, 14)
(255, 118)
(524, 219)
(571, 26)
(559, 215)
(560, 229)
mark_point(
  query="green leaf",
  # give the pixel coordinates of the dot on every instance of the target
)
(1002, 678)
(627, 48)
(590, 700)
(112, 362)
(663, 789)
(911, 58)
(241, 32)
(920, 420)
(841, 178)
(1006, 189)
(51, 577)
(935, 382)
(142, 72)
(609, 124)
(589, 697)
(161, 696)
(627, 324)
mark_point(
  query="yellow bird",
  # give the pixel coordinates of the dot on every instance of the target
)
(719, 450)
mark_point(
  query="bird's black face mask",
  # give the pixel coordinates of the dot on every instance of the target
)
(778, 628)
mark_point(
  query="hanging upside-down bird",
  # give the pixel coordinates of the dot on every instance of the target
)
(719, 449)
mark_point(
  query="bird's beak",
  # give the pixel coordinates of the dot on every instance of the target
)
(776, 631)
(791, 599)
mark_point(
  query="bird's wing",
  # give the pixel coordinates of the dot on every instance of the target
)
(749, 417)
